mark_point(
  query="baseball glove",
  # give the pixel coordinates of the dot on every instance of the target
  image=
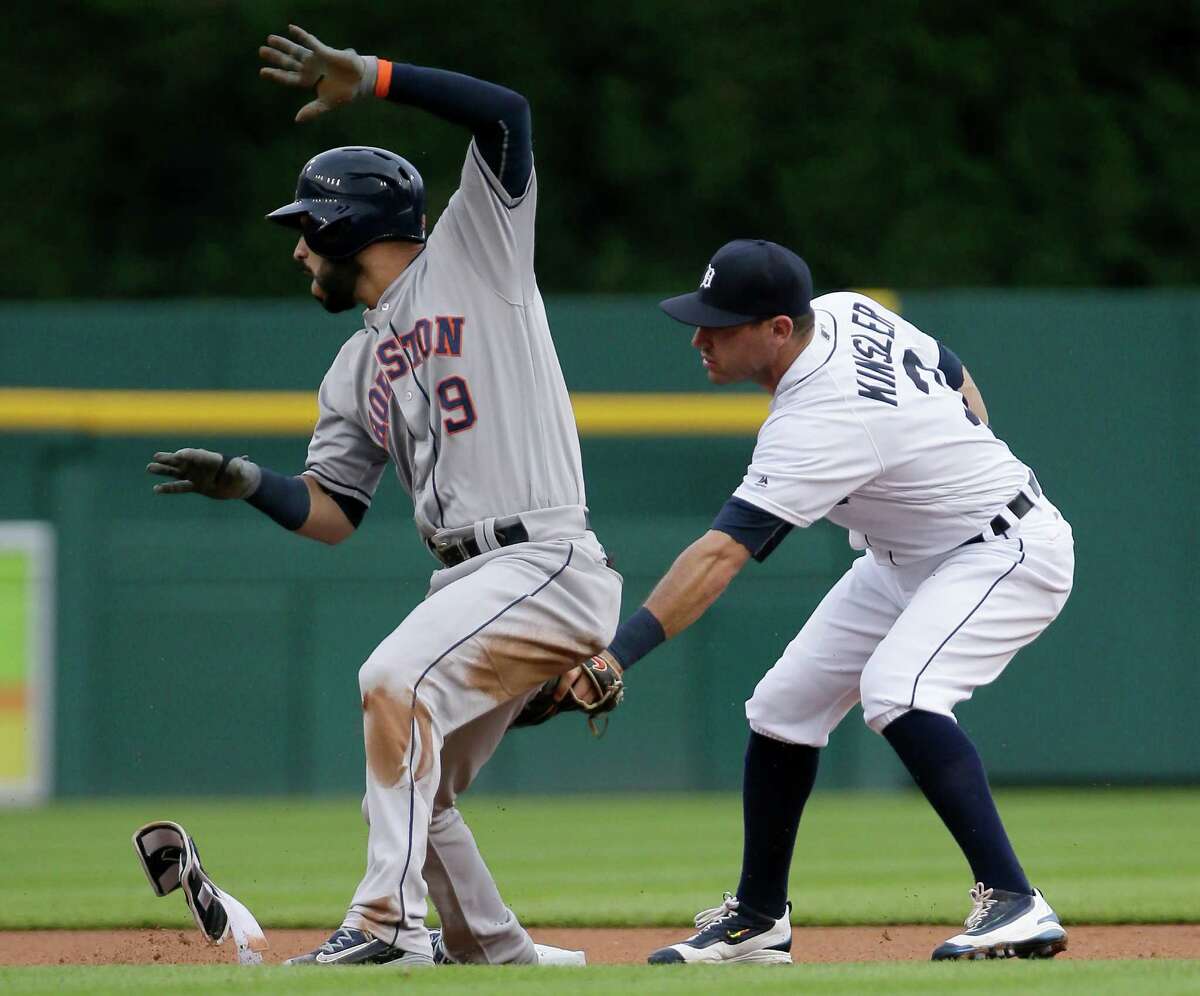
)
(594, 688)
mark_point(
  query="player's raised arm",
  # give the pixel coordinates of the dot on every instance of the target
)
(298, 504)
(498, 118)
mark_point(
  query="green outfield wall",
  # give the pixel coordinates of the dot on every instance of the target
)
(200, 648)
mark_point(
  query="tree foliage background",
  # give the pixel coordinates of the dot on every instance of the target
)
(912, 144)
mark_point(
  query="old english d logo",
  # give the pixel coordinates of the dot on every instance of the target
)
(707, 279)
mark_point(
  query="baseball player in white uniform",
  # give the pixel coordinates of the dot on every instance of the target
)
(878, 428)
(453, 379)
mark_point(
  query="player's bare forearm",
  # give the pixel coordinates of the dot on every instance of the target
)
(974, 399)
(697, 578)
(326, 522)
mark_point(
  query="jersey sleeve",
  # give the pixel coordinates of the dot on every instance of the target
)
(758, 531)
(934, 355)
(492, 229)
(950, 366)
(804, 463)
(342, 458)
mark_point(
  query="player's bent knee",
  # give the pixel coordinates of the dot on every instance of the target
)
(372, 674)
(389, 670)
(773, 719)
(883, 701)
(763, 714)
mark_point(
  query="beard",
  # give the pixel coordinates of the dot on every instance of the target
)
(337, 281)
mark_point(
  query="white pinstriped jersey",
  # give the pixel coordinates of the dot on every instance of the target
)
(864, 431)
(455, 378)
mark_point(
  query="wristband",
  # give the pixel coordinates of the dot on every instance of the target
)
(284, 499)
(376, 78)
(383, 77)
(636, 637)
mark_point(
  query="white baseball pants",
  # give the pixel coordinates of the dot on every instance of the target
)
(920, 636)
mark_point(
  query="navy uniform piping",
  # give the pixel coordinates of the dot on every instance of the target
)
(412, 729)
(1021, 546)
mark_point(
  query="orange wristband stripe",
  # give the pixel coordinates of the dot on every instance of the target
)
(383, 77)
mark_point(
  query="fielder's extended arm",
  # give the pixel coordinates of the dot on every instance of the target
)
(299, 504)
(498, 118)
(697, 578)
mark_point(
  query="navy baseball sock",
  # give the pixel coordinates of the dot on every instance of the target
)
(778, 780)
(947, 768)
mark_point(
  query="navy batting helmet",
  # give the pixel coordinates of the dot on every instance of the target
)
(354, 196)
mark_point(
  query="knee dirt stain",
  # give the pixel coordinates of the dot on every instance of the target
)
(388, 724)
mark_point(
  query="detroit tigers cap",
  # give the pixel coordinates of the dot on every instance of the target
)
(745, 280)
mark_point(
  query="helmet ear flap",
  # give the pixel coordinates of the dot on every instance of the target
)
(326, 236)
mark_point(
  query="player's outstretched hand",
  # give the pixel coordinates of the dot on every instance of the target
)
(205, 473)
(335, 73)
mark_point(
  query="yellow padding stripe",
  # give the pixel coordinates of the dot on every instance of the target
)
(137, 413)
(291, 413)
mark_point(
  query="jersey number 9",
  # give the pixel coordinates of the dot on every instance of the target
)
(455, 397)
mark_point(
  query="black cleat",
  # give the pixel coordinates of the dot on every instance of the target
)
(348, 946)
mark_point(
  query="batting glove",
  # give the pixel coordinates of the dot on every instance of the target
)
(205, 473)
(337, 74)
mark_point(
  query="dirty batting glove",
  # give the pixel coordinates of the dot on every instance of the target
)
(204, 472)
(337, 75)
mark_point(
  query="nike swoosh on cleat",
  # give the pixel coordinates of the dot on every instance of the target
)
(733, 935)
(1049, 918)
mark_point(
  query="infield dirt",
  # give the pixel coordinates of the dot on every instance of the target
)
(604, 946)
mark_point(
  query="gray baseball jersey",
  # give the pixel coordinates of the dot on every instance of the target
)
(455, 377)
(455, 380)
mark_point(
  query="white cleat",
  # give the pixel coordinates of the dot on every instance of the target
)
(546, 955)
(559, 956)
(732, 934)
(1006, 925)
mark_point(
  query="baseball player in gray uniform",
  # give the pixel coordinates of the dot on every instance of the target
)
(454, 380)
(878, 428)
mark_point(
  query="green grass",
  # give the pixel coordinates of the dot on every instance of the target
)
(1163, 978)
(1102, 856)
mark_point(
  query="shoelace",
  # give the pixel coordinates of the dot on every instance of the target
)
(706, 918)
(982, 901)
(342, 934)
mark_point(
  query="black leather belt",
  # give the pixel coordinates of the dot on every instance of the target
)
(1019, 507)
(456, 551)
